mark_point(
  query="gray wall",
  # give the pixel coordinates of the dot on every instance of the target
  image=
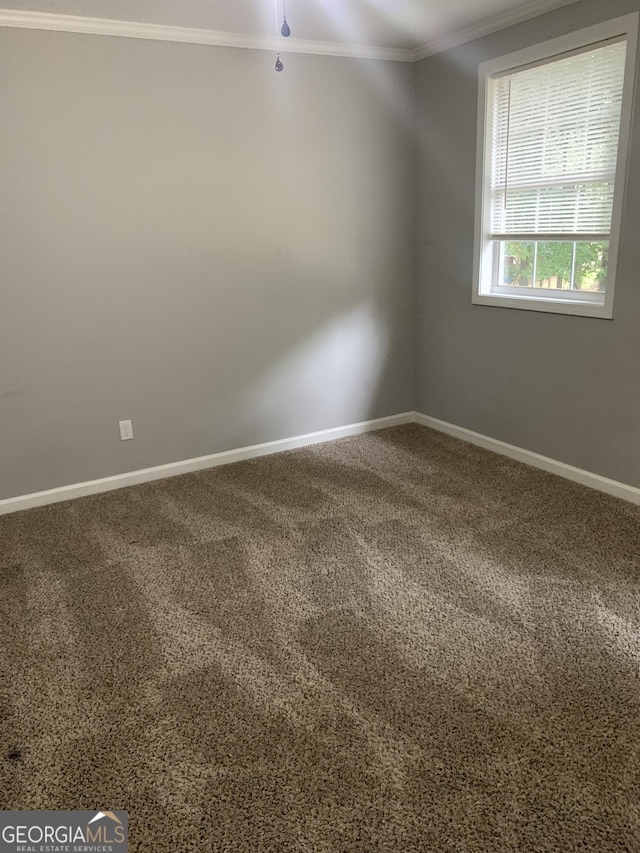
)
(225, 255)
(188, 239)
(566, 387)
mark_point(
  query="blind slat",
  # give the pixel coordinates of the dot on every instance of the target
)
(555, 144)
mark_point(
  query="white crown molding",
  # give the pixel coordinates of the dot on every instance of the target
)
(487, 26)
(191, 35)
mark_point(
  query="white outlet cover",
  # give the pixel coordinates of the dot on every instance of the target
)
(126, 430)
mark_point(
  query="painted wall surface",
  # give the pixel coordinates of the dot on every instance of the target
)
(566, 387)
(188, 239)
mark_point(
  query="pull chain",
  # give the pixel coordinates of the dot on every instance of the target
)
(284, 30)
(279, 66)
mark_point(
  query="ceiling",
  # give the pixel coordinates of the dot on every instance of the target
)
(400, 24)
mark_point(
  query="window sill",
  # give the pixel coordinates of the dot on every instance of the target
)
(556, 305)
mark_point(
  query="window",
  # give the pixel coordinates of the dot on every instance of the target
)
(552, 147)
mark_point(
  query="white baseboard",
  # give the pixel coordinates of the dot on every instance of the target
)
(577, 475)
(172, 469)
(159, 472)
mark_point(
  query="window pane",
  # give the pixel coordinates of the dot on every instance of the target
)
(591, 266)
(554, 265)
(517, 264)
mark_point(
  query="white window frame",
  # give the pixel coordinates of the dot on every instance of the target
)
(485, 292)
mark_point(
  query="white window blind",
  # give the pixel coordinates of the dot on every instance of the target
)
(555, 129)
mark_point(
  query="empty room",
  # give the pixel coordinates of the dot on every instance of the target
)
(319, 426)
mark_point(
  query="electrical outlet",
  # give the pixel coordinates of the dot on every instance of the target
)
(126, 430)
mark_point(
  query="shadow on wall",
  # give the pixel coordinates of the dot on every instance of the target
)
(201, 367)
(224, 265)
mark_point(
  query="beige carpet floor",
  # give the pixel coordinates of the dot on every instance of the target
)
(392, 642)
